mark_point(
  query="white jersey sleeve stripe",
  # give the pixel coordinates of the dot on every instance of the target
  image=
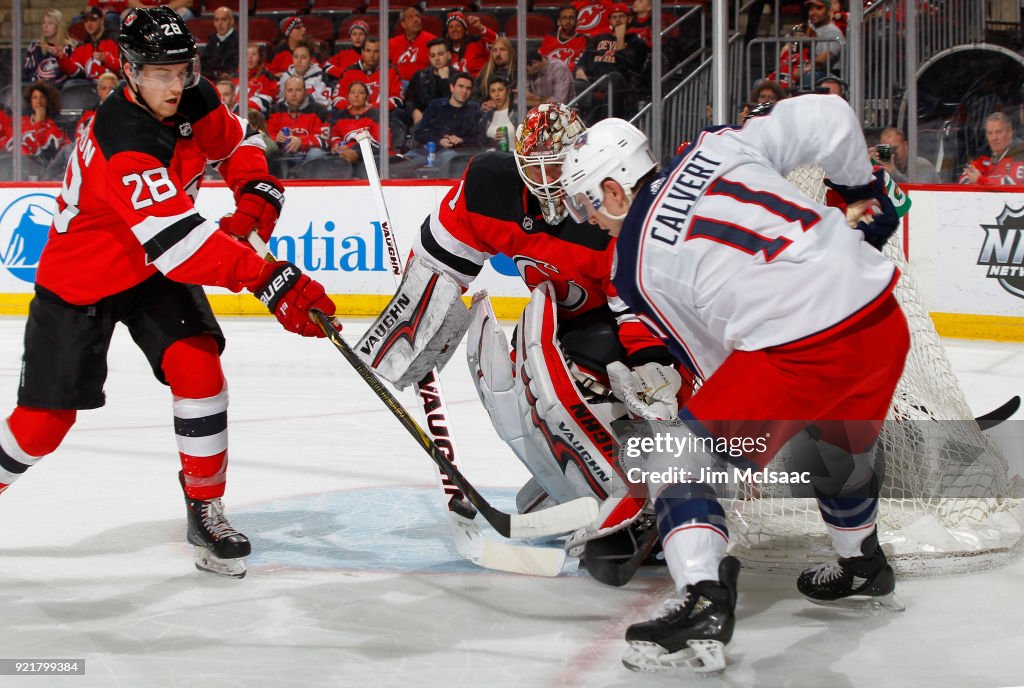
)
(170, 241)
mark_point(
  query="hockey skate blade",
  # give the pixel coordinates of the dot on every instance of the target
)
(473, 545)
(704, 658)
(863, 603)
(563, 518)
(232, 568)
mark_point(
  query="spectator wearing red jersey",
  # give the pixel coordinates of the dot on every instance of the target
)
(309, 71)
(346, 57)
(592, 16)
(1005, 165)
(112, 10)
(367, 70)
(298, 125)
(96, 55)
(408, 50)
(469, 52)
(640, 24)
(263, 86)
(6, 129)
(294, 32)
(41, 138)
(566, 43)
(105, 85)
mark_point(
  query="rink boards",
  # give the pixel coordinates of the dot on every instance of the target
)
(966, 247)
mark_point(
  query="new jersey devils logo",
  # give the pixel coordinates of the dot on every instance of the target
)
(589, 17)
(568, 294)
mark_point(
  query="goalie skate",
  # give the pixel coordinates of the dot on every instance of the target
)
(218, 547)
(865, 583)
(692, 632)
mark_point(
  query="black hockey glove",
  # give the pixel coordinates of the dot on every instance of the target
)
(884, 221)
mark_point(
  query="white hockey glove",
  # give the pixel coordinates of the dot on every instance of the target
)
(648, 391)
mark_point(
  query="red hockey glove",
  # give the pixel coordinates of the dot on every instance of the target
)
(257, 207)
(289, 295)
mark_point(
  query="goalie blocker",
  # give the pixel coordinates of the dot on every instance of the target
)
(419, 329)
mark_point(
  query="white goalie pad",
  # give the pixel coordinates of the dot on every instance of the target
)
(565, 439)
(419, 329)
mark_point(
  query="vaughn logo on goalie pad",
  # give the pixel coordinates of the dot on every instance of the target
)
(1003, 250)
(419, 329)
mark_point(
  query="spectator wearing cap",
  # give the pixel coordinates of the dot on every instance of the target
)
(96, 55)
(592, 16)
(42, 60)
(263, 87)
(220, 56)
(831, 85)
(469, 52)
(408, 50)
(566, 43)
(828, 45)
(112, 10)
(349, 55)
(430, 83)
(453, 123)
(619, 54)
(367, 71)
(294, 32)
(548, 80)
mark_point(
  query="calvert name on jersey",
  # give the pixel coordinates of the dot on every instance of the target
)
(490, 211)
(722, 253)
(126, 205)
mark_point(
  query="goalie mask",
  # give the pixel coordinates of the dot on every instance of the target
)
(156, 36)
(611, 149)
(541, 142)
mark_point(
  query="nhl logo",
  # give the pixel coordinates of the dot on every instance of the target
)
(527, 224)
(1002, 252)
(185, 129)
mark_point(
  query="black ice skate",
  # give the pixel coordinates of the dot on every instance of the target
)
(864, 582)
(614, 558)
(219, 548)
(693, 630)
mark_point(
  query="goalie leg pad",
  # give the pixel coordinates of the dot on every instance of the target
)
(560, 421)
(419, 329)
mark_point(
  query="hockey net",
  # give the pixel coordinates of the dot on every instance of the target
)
(947, 503)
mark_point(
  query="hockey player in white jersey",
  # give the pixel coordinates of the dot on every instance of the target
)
(788, 315)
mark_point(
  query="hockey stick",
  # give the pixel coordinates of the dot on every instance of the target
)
(552, 521)
(540, 561)
(994, 418)
(469, 541)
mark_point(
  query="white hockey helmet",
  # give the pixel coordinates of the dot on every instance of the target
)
(542, 140)
(611, 149)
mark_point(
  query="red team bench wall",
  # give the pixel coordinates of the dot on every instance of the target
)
(966, 246)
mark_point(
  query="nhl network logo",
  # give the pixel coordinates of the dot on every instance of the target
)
(24, 227)
(1003, 250)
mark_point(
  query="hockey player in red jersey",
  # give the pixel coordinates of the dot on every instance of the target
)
(128, 246)
(510, 203)
(774, 301)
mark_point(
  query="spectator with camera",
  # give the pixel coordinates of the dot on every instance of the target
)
(892, 154)
(1005, 165)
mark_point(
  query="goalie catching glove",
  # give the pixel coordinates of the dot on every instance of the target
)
(648, 391)
(290, 295)
(870, 209)
(257, 206)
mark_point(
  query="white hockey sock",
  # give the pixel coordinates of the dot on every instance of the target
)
(693, 554)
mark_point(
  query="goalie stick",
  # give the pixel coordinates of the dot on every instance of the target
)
(538, 561)
(469, 541)
(555, 520)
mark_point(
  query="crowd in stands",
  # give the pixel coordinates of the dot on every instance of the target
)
(451, 78)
